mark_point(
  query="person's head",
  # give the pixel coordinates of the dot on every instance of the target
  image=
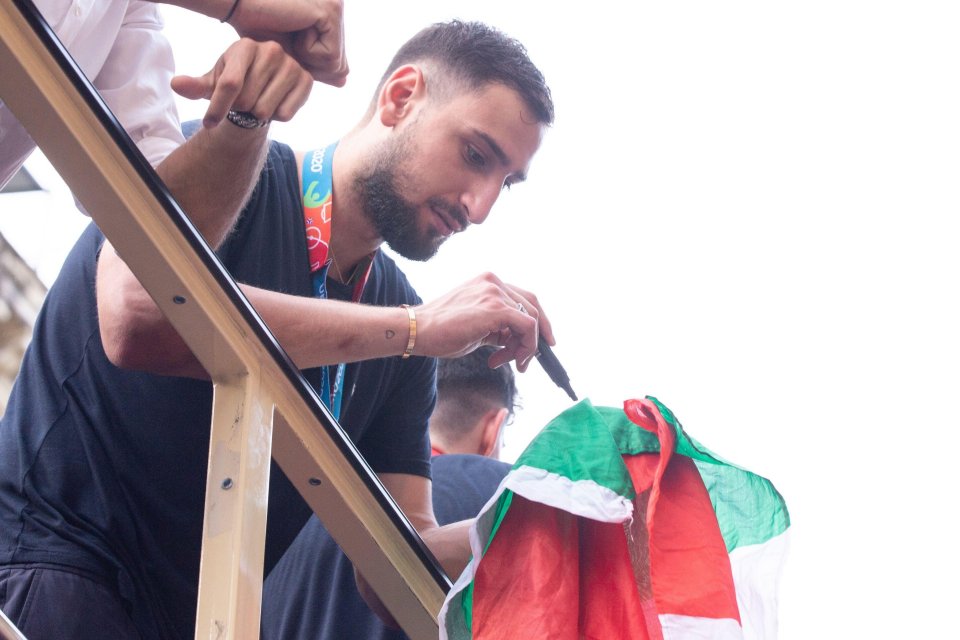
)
(457, 117)
(474, 402)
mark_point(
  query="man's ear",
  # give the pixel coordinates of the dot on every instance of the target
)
(399, 93)
(493, 421)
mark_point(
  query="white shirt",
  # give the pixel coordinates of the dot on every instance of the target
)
(119, 45)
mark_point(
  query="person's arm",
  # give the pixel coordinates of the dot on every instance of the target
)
(316, 332)
(450, 544)
(310, 30)
(211, 175)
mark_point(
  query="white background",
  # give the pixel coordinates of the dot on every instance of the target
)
(746, 209)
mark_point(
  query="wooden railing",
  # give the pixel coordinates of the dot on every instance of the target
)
(256, 386)
(7, 630)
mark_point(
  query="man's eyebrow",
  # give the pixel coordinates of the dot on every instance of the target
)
(519, 176)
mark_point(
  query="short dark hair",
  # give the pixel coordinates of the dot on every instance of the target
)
(471, 375)
(478, 55)
(467, 388)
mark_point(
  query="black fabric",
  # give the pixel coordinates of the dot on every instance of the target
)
(103, 470)
(88, 610)
(311, 593)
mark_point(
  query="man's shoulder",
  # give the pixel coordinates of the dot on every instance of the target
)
(469, 464)
(463, 484)
(470, 459)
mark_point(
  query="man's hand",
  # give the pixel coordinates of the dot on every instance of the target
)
(309, 30)
(256, 77)
(483, 311)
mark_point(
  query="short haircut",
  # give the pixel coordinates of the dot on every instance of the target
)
(467, 388)
(478, 55)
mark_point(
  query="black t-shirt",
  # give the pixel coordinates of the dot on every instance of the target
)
(102, 470)
(311, 593)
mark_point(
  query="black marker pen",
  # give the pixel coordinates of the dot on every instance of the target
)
(553, 367)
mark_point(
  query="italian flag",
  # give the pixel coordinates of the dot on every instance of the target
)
(614, 523)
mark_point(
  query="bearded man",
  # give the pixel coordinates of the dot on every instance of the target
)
(104, 449)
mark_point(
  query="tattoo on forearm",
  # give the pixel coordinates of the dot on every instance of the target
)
(390, 333)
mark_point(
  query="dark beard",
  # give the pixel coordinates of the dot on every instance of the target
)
(394, 218)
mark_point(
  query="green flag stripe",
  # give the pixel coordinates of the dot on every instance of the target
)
(686, 445)
(749, 509)
(577, 444)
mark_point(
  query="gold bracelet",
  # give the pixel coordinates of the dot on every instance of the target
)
(412, 340)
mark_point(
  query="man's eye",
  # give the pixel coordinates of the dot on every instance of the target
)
(474, 157)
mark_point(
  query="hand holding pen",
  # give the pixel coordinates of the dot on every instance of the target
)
(548, 360)
(486, 310)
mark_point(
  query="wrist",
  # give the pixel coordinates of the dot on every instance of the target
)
(230, 12)
(250, 17)
(227, 138)
(411, 331)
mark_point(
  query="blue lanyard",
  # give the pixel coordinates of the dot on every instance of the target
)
(318, 203)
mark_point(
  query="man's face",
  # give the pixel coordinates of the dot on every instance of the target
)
(444, 167)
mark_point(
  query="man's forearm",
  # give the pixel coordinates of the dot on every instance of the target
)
(451, 546)
(212, 175)
(315, 332)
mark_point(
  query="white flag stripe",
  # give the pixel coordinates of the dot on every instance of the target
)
(692, 628)
(580, 497)
(756, 577)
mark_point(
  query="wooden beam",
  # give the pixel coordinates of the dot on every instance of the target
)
(8, 631)
(235, 518)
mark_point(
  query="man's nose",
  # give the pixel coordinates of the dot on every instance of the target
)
(479, 201)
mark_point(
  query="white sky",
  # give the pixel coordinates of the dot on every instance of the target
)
(746, 209)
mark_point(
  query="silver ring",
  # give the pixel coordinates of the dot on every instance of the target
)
(245, 119)
(521, 308)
